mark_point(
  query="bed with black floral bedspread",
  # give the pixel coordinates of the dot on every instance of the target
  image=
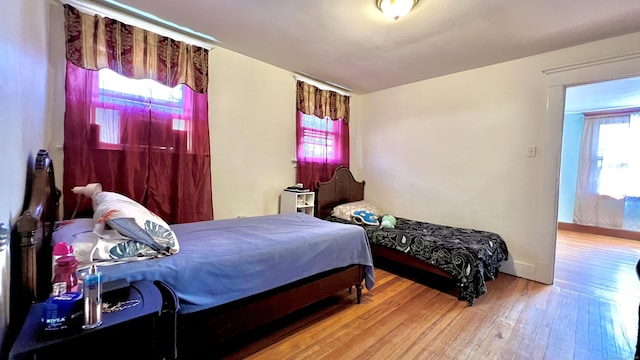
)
(470, 256)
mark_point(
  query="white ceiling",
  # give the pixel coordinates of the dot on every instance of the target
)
(607, 95)
(352, 44)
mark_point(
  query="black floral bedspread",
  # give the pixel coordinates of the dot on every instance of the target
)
(470, 256)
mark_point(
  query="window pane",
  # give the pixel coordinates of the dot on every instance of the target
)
(179, 124)
(109, 122)
(619, 159)
(318, 138)
(143, 88)
(633, 185)
(134, 112)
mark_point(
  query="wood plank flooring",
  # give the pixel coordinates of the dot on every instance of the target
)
(591, 312)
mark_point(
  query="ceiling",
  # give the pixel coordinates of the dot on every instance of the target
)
(350, 43)
(606, 95)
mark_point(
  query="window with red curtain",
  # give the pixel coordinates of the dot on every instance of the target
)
(322, 134)
(143, 131)
(149, 114)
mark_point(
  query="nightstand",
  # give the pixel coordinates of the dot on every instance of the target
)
(130, 333)
(297, 201)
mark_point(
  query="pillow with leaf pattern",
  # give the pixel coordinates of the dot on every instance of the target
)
(345, 211)
(127, 229)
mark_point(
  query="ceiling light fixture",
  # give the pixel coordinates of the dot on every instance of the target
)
(396, 9)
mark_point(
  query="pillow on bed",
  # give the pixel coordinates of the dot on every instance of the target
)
(344, 211)
(127, 229)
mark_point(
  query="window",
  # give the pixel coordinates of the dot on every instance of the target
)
(618, 158)
(130, 112)
(319, 139)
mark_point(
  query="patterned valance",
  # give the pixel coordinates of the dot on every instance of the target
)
(322, 103)
(96, 42)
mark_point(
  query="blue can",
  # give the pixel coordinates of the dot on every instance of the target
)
(62, 312)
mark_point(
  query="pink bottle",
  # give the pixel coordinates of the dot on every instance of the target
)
(65, 271)
(59, 250)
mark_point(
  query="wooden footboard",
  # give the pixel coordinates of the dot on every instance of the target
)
(200, 332)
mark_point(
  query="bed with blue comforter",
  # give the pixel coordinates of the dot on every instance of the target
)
(224, 260)
(231, 276)
(218, 279)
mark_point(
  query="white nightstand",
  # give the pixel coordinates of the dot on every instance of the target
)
(291, 201)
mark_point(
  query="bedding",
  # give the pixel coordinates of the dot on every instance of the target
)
(77, 233)
(127, 229)
(346, 211)
(188, 332)
(464, 257)
(223, 260)
(120, 229)
(470, 256)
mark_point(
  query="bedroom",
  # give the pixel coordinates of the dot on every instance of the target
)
(504, 112)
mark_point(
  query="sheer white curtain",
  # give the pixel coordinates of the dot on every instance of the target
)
(606, 153)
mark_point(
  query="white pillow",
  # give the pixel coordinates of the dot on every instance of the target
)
(344, 211)
(128, 229)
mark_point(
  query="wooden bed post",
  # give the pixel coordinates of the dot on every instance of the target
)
(31, 250)
(26, 226)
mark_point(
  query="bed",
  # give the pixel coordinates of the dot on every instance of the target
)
(466, 258)
(311, 259)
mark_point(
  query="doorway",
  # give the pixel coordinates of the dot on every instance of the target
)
(600, 175)
(558, 79)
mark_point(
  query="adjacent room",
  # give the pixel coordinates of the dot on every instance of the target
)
(288, 179)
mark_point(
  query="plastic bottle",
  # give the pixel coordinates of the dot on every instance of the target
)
(65, 271)
(92, 292)
(59, 250)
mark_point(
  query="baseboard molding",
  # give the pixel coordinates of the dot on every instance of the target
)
(619, 233)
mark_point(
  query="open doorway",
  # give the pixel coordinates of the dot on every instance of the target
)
(599, 194)
(600, 158)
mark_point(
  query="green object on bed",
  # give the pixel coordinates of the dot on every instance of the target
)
(388, 222)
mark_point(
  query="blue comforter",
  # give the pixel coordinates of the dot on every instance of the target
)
(225, 260)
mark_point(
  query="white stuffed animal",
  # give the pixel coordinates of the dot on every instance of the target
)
(89, 190)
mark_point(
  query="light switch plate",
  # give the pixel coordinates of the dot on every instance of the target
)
(531, 151)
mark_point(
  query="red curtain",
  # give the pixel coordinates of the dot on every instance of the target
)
(322, 147)
(153, 149)
(322, 133)
(142, 139)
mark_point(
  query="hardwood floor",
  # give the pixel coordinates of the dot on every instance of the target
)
(591, 312)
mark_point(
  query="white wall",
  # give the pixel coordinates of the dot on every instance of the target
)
(252, 125)
(452, 150)
(24, 103)
(571, 138)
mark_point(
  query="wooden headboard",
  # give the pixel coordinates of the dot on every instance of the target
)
(341, 188)
(31, 249)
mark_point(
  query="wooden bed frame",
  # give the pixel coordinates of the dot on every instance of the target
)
(31, 268)
(183, 335)
(343, 188)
